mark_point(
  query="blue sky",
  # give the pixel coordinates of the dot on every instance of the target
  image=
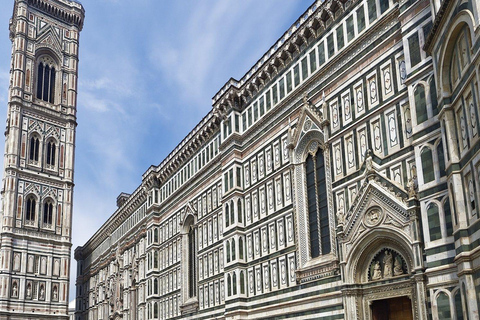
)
(148, 71)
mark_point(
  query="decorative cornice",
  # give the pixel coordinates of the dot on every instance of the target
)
(440, 19)
(202, 132)
(70, 12)
(314, 18)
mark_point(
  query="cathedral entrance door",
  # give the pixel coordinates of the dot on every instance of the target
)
(392, 309)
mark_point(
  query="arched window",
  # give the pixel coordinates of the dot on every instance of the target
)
(229, 285)
(155, 259)
(240, 213)
(319, 229)
(227, 216)
(240, 247)
(441, 159)
(242, 282)
(232, 213)
(448, 217)
(234, 283)
(46, 82)
(420, 103)
(434, 222)
(155, 286)
(192, 277)
(47, 212)
(443, 306)
(30, 209)
(155, 234)
(233, 250)
(50, 157)
(228, 251)
(427, 165)
(34, 147)
(155, 310)
(458, 305)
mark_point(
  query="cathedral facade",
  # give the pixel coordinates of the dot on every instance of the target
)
(338, 179)
(37, 185)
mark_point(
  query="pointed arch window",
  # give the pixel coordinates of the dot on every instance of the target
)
(443, 306)
(192, 280)
(34, 148)
(242, 283)
(420, 103)
(232, 213)
(319, 226)
(30, 209)
(234, 283)
(427, 165)
(227, 216)
(240, 212)
(46, 82)
(48, 212)
(434, 222)
(50, 156)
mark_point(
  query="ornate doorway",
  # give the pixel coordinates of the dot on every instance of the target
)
(399, 308)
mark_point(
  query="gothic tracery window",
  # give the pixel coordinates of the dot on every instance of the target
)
(319, 229)
(30, 209)
(34, 147)
(50, 156)
(48, 212)
(192, 291)
(46, 79)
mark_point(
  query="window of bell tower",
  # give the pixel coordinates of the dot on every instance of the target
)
(46, 74)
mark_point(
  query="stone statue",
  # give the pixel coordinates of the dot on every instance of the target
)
(397, 267)
(29, 290)
(377, 272)
(14, 290)
(412, 187)
(55, 293)
(387, 265)
(42, 293)
(369, 161)
(340, 218)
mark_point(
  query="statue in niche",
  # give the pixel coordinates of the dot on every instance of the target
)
(340, 218)
(55, 293)
(369, 161)
(412, 184)
(377, 272)
(14, 290)
(398, 266)
(16, 262)
(29, 290)
(42, 292)
(387, 265)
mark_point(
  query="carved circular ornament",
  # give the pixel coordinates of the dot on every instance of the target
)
(373, 217)
(307, 125)
(312, 148)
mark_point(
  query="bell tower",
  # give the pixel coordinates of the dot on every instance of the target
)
(37, 185)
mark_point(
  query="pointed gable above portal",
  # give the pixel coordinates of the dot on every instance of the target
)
(379, 203)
